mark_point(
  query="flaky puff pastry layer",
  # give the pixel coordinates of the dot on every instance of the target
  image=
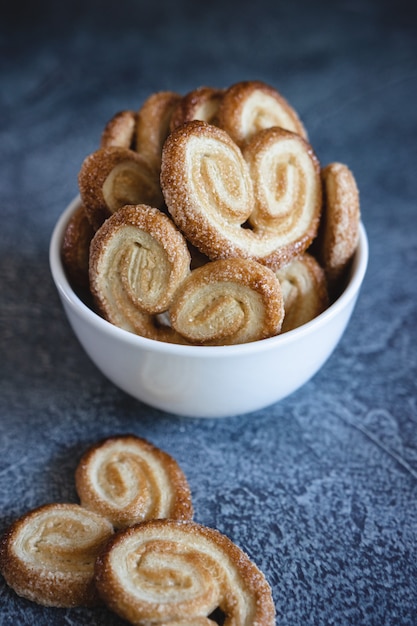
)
(304, 289)
(138, 258)
(285, 173)
(152, 125)
(76, 248)
(168, 572)
(199, 104)
(339, 229)
(228, 301)
(48, 555)
(119, 132)
(263, 204)
(114, 176)
(250, 106)
(145, 130)
(128, 480)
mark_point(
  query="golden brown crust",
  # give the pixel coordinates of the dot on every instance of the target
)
(75, 248)
(137, 260)
(228, 301)
(250, 106)
(47, 556)
(304, 288)
(120, 131)
(234, 169)
(165, 571)
(112, 177)
(152, 126)
(339, 229)
(200, 104)
(207, 187)
(286, 180)
(213, 193)
(128, 480)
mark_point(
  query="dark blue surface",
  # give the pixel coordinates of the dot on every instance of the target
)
(320, 489)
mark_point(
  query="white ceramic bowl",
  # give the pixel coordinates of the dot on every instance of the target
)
(202, 381)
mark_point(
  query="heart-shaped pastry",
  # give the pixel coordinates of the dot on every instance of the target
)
(138, 258)
(128, 480)
(263, 204)
(304, 289)
(48, 555)
(250, 106)
(114, 176)
(169, 572)
(228, 301)
(200, 104)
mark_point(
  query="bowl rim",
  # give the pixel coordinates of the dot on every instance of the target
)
(357, 274)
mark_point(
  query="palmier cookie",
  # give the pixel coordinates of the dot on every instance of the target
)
(75, 248)
(128, 480)
(169, 572)
(304, 289)
(339, 228)
(47, 556)
(137, 260)
(200, 104)
(112, 177)
(120, 131)
(228, 301)
(266, 207)
(250, 106)
(152, 126)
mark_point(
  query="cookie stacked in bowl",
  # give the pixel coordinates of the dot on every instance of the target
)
(207, 219)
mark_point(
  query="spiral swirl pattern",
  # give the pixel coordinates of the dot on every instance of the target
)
(128, 480)
(48, 555)
(112, 177)
(137, 260)
(248, 107)
(199, 104)
(174, 573)
(265, 206)
(228, 301)
(304, 289)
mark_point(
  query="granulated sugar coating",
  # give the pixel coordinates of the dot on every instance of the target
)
(234, 174)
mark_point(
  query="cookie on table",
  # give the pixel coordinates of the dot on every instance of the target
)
(48, 555)
(127, 479)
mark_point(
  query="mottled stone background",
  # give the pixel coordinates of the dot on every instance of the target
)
(320, 489)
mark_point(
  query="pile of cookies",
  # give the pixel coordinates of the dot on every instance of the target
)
(132, 544)
(207, 219)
